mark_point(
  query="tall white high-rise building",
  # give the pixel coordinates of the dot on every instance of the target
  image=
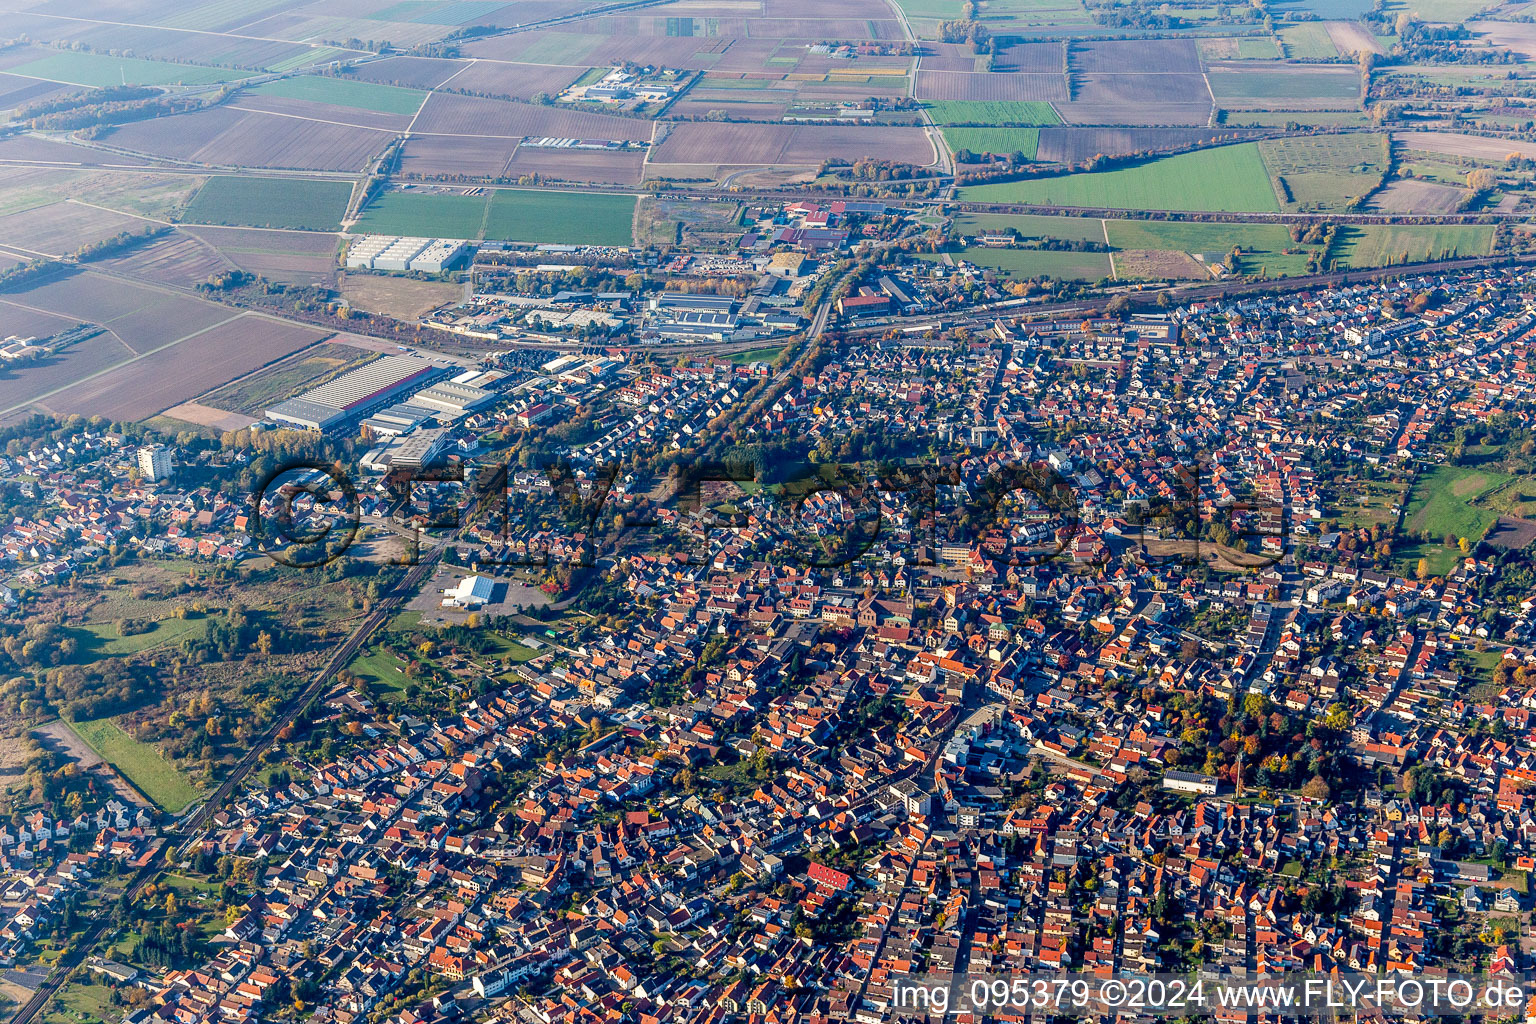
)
(155, 462)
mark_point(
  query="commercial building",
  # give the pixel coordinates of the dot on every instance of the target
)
(472, 592)
(356, 393)
(450, 398)
(412, 451)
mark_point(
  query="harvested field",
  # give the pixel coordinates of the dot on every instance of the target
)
(407, 72)
(310, 110)
(447, 114)
(1411, 196)
(1123, 113)
(604, 167)
(1351, 37)
(29, 148)
(1120, 56)
(515, 81)
(25, 322)
(61, 228)
(957, 85)
(1032, 58)
(270, 203)
(140, 316)
(451, 156)
(1159, 265)
(761, 145)
(1512, 534)
(1517, 36)
(183, 369)
(1474, 146)
(400, 297)
(1079, 145)
(300, 257)
(236, 138)
(178, 260)
(21, 385)
(207, 416)
(1141, 90)
(16, 91)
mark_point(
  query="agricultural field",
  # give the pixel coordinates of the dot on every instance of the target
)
(1325, 173)
(993, 113)
(141, 763)
(506, 215)
(98, 70)
(342, 92)
(295, 203)
(1266, 247)
(1024, 264)
(1380, 245)
(1230, 179)
(1251, 85)
(1308, 40)
(999, 141)
(1083, 229)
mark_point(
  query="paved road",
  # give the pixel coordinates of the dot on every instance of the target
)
(192, 824)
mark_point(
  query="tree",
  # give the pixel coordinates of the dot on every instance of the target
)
(264, 642)
(1422, 570)
(1316, 789)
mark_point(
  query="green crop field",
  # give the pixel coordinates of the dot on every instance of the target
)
(1262, 244)
(1308, 41)
(592, 218)
(1072, 229)
(99, 70)
(154, 776)
(586, 218)
(1229, 179)
(1002, 141)
(991, 113)
(1029, 263)
(270, 203)
(1379, 245)
(342, 92)
(424, 215)
(1265, 85)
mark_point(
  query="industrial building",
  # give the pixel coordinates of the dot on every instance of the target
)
(356, 393)
(391, 252)
(450, 398)
(413, 451)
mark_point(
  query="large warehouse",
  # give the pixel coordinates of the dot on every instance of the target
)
(356, 393)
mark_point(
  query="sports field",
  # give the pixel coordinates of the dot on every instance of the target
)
(152, 774)
(342, 92)
(1231, 179)
(991, 112)
(99, 70)
(586, 218)
(270, 203)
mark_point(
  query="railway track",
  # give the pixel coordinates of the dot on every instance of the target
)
(190, 826)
